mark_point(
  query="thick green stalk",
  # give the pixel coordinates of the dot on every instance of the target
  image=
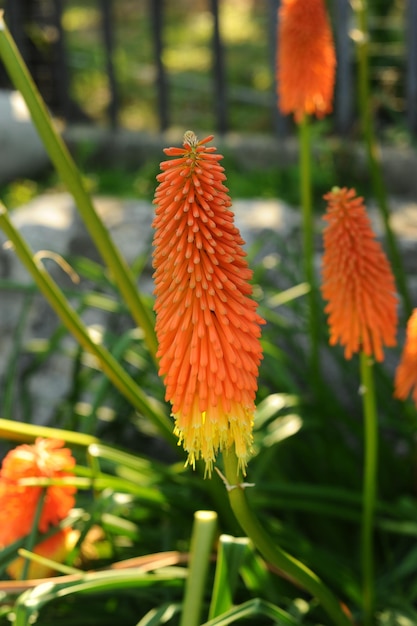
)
(205, 523)
(109, 365)
(272, 553)
(308, 243)
(369, 487)
(69, 173)
(372, 151)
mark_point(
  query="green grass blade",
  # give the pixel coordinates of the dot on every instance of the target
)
(54, 565)
(252, 608)
(100, 483)
(258, 580)
(230, 556)
(161, 615)
(18, 431)
(29, 603)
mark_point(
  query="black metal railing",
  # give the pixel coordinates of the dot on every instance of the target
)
(32, 20)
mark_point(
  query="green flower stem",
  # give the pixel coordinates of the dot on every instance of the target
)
(369, 487)
(205, 523)
(109, 365)
(372, 151)
(273, 554)
(69, 173)
(308, 242)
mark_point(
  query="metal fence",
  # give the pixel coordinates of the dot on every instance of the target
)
(37, 26)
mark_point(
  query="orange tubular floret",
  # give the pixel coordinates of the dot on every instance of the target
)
(358, 283)
(206, 323)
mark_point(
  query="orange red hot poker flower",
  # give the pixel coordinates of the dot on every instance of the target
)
(358, 283)
(306, 60)
(206, 323)
(45, 458)
(18, 503)
(406, 374)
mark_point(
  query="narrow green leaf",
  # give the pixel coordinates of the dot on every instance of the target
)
(31, 601)
(161, 615)
(230, 556)
(253, 608)
(18, 431)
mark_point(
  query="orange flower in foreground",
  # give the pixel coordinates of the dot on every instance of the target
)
(306, 60)
(207, 326)
(18, 503)
(406, 374)
(56, 548)
(357, 279)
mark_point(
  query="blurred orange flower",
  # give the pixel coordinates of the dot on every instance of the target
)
(18, 503)
(406, 374)
(56, 548)
(306, 60)
(207, 325)
(358, 283)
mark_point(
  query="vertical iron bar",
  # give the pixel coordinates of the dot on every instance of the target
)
(15, 19)
(113, 109)
(220, 96)
(59, 67)
(411, 60)
(156, 10)
(344, 55)
(280, 122)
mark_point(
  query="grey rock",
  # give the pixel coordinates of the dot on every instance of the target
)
(22, 153)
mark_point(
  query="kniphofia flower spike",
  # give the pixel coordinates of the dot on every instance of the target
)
(18, 503)
(306, 60)
(358, 283)
(406, 374)
(206, 323)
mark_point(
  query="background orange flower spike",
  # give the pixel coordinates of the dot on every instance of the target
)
(306, 60)
(18, 503)
(358, 283)
(406, 374)
(206, 323)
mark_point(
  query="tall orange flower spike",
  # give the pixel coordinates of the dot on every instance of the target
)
(306, 60)
(18, 503)
(358, 283)
(406, 374)
(207, 325)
